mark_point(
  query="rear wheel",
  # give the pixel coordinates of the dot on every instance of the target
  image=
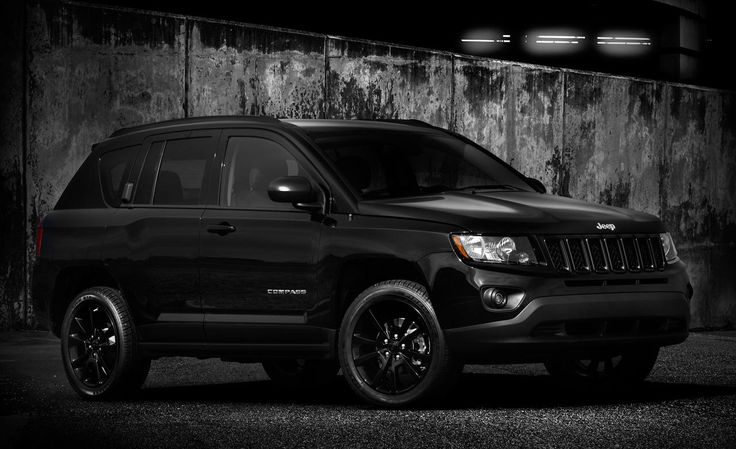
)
(627, 367)
(99, 347)
(300, 372)
(391, 348)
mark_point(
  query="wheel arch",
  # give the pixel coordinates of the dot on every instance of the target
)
(69, 283)
(360, 273)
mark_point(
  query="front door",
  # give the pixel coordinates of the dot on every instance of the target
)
(257, 257)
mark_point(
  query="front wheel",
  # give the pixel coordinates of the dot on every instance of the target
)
(628, 367)
(99, 347)
(391, 348)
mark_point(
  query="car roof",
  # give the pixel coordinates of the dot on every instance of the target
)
(186, 124)
(240, 119)
(365, 124)
(190, 121)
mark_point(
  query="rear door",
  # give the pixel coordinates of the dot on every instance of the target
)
(154, 240)
(258, 257)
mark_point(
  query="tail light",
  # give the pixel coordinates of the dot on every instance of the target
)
(39, 238)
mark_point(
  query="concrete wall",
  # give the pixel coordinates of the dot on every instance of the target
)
(12, 169)
(662, 148)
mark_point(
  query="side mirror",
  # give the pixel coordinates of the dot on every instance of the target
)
(296, 190)
(536, 185)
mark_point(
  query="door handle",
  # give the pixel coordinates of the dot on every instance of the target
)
(221, 229)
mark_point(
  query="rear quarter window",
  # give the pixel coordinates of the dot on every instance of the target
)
(83, 191)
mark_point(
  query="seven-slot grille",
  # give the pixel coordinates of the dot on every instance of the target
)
(606, 254)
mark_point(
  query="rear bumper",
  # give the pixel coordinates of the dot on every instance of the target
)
(576, 325)
(42, 288)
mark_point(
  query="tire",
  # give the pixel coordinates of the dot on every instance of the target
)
(391, 348)
(99, 348)
(298, 373)
(629, 367)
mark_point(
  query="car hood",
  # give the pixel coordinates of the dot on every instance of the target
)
(515, 212)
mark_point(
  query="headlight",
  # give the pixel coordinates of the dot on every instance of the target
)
(505, 250)
(670, 252)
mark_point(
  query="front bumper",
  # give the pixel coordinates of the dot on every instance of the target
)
(560, 313)
(577, 324)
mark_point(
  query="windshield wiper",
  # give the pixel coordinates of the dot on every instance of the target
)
(479, 187)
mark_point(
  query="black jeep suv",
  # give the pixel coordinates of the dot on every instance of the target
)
(394, 250)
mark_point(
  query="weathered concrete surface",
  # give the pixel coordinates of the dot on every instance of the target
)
(711, 270)
(12, 216)
(666, 149)
(373, 81)
(613, 129)
(92, 71)
(513, 110)
(699, 195)
(255, 71)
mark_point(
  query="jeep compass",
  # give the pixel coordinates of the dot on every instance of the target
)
(394, 251)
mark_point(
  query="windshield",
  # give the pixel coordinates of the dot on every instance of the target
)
(383, 163)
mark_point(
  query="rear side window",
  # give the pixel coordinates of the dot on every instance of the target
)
(114, 172)
(181, 174)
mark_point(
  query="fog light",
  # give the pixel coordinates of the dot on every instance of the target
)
(495, 298)
(498, 299)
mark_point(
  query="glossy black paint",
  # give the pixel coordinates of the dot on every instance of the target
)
(243, 284)
(243, 273)
(291, 189)
(153, 252)
(514, 213)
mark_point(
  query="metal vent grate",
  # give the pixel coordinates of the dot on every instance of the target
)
(578, 256)
(600, 254)
(556, 252)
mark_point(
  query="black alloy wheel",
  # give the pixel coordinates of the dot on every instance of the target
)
(93, 348)
(99, 347)
(391, 348)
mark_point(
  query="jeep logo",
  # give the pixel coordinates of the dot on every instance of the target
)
(285, 291)
(609, 226)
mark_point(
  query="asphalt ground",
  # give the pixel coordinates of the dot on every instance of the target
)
(688, 401)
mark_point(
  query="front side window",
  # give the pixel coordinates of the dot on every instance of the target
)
(181, 175)
(381, 163)
(114, 172)
(250, 164)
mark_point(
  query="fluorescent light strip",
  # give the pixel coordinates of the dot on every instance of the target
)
(486, 41)
(642, 40)
(506, 35)
(556, 42)
(561, 37)
(624, 43)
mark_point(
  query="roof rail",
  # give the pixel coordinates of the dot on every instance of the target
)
(413, 122)
(191, 121)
